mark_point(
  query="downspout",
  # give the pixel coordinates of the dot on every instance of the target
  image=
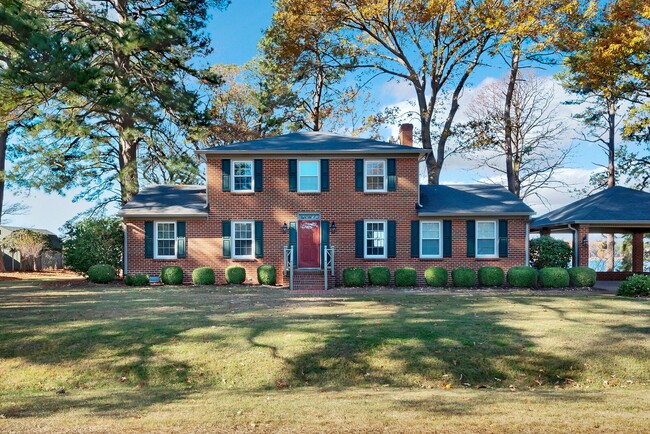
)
(575, 245)
(527, 247)
(125, 263)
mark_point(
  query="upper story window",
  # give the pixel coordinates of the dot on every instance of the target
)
(242, 176)
(486, 239)
(243, 240)
(375, 239)
(374, 175)
(430, 239)
(165, 240)
(308, 176)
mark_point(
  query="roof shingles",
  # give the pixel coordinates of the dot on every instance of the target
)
(167, 201)
(470, 200)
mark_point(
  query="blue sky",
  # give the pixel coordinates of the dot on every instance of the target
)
(235, 33)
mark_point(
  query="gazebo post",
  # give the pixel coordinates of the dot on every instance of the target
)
(583, 250)
(637, 252)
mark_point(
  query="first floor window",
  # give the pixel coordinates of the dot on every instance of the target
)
(308, 176)
(486, 239)
(375, 234)
(242, 175)
(243, 239)
(375, 171)
(165, 240)
(430, 237)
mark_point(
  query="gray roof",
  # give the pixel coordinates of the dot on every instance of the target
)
(618, 206)
(312, 142)
(470, 200)
(167, 201)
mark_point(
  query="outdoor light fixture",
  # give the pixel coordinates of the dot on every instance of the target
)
(585, 241)
(333, 228)
(284, 228)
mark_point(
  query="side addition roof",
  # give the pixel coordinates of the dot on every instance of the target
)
(616, 206)
(312, 143)
(160, 201)
(470, 200)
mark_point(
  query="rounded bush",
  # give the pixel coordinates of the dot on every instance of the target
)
(636, 285)
(553, 277)
(203, 276)
(235, 274)
(582, 277)
(354, 276)
(379, 276)
(463, 277)
(101, 273)
(436, 276)
(171, 275)
(136, 280)
(549, 252)
(491, 276)
(522, 277)
(266, 275)
(405, 276)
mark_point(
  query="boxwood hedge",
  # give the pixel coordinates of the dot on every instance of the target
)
(203, 276)
(405, 277)
(436, 276)
(354, 276)
(101, 273)
(491, 276)
(553, 277)
(522, 277)
(136, 280)
(379, 276)
(235, 274)
(582, 277)
(463, 277)
(171, 275)
(266, 275)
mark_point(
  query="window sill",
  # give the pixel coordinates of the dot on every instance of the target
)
(166, 259)
(375, 259)
(244, 259)
(487, 258)
(433, 259)
(309, 193)
(243, 193)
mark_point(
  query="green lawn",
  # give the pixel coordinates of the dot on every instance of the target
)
(206, 359)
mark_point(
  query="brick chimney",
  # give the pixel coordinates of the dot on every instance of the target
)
(406, 134)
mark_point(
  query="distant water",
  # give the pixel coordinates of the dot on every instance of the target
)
(601, 265)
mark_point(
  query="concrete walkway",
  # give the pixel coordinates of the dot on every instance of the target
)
(609, 286)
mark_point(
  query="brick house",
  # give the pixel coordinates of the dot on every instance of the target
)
(314, 192)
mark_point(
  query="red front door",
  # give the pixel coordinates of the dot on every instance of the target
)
(309, 244)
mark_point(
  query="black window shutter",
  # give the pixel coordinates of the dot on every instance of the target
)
(471, 238)
(293, 241)
(324, 175)
(503, 238)
(259, 175)
(293, 175)
(415, 238)
(324, 240)
(225, 175)
(225, 233)
(392, 174)
(358, 174)
(181, 240)
(148, 239)
(392, 239)
(446, 239)
(259, 239)
(358, 239)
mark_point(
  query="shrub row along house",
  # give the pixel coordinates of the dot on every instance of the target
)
(333, 201)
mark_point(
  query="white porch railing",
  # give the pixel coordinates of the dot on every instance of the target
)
(328, 263)
(288, 264)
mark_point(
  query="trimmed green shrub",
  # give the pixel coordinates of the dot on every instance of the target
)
(354, 276)
(235, 274)
(136, 280)
(522, 277)
(582, 277)
(266, 275)
(547, 252)
(405, 276)
(203, 276)
(553, 277)
(379, 276)
(171, 275)
(491, 276)
(101, 273)
(636, 285)
(463, 277)
(436, 276)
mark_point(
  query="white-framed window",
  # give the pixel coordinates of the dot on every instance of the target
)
(308, 176)
(243, 240)
(486, 239)
(430, 239)
(374, 175)
(242, 176)
(375, 238)
(165, 240)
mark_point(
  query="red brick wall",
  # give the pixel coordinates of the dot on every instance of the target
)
(342, 204)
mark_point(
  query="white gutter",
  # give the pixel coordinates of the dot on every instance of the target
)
(575, 245)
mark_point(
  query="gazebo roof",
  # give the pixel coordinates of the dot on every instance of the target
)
(616, 207)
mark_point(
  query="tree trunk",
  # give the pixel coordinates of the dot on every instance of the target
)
(611, 175)
(129, 183)
(507, 119)
(4, 138)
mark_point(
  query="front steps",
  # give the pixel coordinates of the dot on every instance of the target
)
(310, 280)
